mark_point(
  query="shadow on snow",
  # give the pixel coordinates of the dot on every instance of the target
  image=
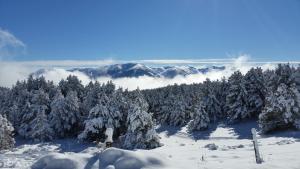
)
(64, 145)
(240, 130)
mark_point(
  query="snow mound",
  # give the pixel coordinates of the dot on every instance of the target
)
(111, 158)
(123, 159)
(59, 160)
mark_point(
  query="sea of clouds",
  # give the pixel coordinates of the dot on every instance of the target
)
(12, 71)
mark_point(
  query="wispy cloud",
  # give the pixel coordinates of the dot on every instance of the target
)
(10, 45)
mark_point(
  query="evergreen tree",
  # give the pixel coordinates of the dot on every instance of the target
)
(16, 103)
(40, 128)
(175, 108)
(282, 109)
(282, 74)
(39, 103)
(179, 115)
(296, 77)
(95, 95)
(94, 125)
(221, 94)
(64, 115)
(211, 104)
(105, 114)
(72, 83)
(36, 83)
(109, 88)
(162, 107)
(236, 99)
(256, 91)
(57, 111)
(6, 134)
(4, 97)
(140, 131)
(200, 118)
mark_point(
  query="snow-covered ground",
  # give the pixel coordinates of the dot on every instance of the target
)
(234, 150)
(181, 150)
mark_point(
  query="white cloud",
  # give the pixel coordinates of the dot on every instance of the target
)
(11, 72)
(10, 45)
(146, 82)
(58, 74)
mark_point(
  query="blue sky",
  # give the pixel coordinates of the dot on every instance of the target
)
(154, 29)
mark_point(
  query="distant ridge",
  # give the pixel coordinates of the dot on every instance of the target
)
(137, 70)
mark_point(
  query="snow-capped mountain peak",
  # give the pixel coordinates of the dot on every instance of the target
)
(137, 70)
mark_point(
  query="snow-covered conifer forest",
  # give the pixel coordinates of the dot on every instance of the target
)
(40, 112)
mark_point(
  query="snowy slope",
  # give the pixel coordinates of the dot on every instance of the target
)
(180, 150)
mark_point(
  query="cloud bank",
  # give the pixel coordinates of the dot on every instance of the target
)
(10, 72)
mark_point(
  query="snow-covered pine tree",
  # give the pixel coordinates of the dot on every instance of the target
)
(221, 92)
(109, 88)
(39, 103)
(282, 109)
(6, 134)
(103, 115)
(173, 105)
(140, 127)
(64, 115)
(72, 83)
(296, 77)
(161, 105)
(176, 107)
(170, 108)
(95, 95)
(4, 99)
(16, 103)
(155, 99)
(256, 91)
(57, 110)
(200, 120)
(40, 127)
(236, 99)
(118, 109)
(73, 117)
(161, 101)
(210, 102)
(94, 125)
(179, 115)
(38, 83)
(282, 74)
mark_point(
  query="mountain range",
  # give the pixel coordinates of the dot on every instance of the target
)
(137, 70)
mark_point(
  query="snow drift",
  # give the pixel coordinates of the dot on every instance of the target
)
(111, 158)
